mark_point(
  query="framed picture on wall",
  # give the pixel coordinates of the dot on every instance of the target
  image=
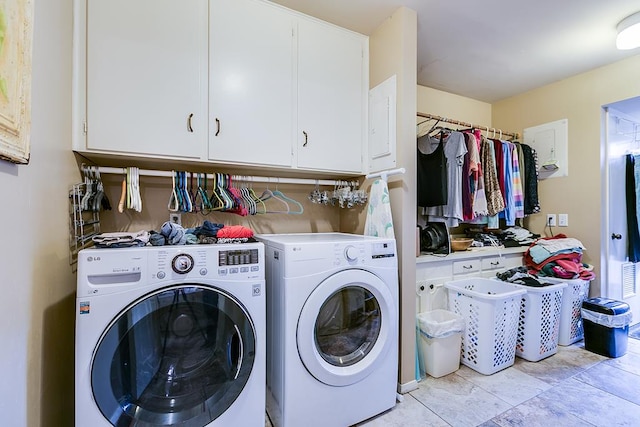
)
(16, 33)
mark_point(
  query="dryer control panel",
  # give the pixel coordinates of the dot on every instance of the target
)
(111, 270)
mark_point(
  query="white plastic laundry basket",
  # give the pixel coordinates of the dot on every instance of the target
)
(491, 309)
(539, 323)
(571, 329)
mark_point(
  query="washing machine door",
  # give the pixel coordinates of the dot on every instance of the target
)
(347, 325)
(178, 356)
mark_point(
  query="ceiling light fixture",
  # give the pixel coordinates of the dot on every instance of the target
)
(629, 32)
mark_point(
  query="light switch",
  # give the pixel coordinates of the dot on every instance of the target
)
(563, 220)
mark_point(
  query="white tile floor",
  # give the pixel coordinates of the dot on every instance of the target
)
(574, 387)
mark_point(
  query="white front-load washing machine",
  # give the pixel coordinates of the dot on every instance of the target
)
(332, 328)
(171, 336)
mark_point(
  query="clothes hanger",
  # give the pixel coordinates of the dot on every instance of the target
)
(123, 193)
(205, 204)
(286, 199)
(258, 201)
(267, 194)
(216, 202)
(173, 205)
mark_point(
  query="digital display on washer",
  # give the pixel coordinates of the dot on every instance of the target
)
(238, 257)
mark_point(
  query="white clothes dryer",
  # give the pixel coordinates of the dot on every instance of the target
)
(171, 335)
(332, 328)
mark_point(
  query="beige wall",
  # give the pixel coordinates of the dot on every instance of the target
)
(37, 304)
(578, 99)
(393, 50)
(444, 104)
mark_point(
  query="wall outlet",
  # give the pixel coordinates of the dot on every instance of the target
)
(563, 220)
(175, 218)
(551, 220)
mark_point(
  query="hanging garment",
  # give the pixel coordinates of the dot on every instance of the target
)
(509, 213)
(495, 202)
(632, 220)
(530, 182)
(454, 151)
(467, 200)
(523, 172)
(518, 196)
(432, 173)
(379, 222)
(500, 169)
(479, 199)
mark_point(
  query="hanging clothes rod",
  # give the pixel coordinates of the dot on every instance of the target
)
(385, 174)
(488, 129)
(242, 178)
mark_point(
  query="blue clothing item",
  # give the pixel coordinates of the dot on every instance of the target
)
(208, 229)
(157, 239)
(174, 233)
(509, 213)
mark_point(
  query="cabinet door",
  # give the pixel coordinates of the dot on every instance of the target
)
(332, 97)
(251, 83)
(147, 77)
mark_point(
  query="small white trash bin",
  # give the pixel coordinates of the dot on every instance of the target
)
(440, 341)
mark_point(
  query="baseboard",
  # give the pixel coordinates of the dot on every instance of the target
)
(407, 387)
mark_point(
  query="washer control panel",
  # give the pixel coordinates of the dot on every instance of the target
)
(238, 257)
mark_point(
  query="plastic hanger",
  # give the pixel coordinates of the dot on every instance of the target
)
(267, 194)
(279, 194)
(173, 205)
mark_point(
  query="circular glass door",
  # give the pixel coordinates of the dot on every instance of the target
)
(346, 325)
(179, 356)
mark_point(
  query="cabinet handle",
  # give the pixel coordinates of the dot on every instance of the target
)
(189, 127)
(495, 263)
(306, 138)
(217, 126)
(467, 267)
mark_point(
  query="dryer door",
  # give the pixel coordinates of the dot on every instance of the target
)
(178, 356)
(347, 325)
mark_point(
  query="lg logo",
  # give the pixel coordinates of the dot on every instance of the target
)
(93, 258)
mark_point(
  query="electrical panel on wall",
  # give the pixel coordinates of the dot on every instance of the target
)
(551, 142)
(382, 126)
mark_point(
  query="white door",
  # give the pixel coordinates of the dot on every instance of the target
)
(251, 94)
(619, 277)
(147, 77)
(346, 327)
(332, 97)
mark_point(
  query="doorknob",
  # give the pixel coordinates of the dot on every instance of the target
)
(616, 236)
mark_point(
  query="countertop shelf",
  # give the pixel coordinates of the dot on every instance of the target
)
(471, 253)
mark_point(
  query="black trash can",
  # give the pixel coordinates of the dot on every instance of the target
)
(606, 326)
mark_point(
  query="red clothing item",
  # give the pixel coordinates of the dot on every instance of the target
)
(234, 231)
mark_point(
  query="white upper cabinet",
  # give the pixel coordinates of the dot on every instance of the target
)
(146, 77)
(332, 97)
(233, 82)
(251, 75)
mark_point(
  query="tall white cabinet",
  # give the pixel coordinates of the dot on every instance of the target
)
(228, 82)
(146, 77)
(331, 89)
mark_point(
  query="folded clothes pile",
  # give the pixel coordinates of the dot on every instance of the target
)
(174, 234)
(121, 239)
(559, 256)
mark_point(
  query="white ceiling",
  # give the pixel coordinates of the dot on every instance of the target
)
(493, 49)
